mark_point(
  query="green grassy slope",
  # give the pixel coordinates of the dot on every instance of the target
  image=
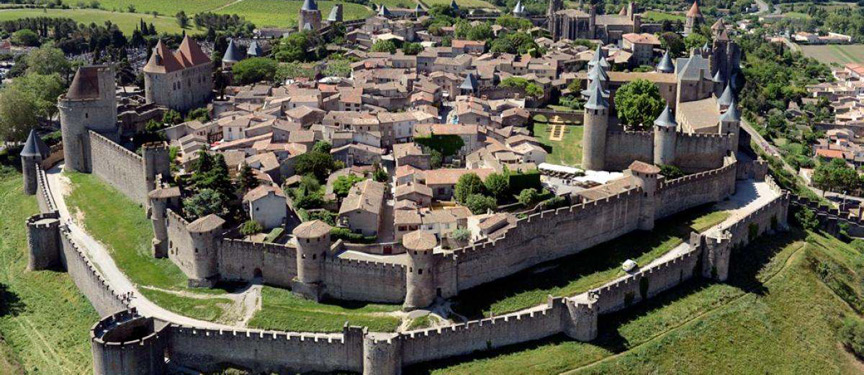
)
(44, 319)
(125, 21)
(778, 314)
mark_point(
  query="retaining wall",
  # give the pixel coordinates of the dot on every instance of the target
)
(121, 168)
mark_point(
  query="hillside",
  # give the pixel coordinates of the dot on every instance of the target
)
(779, 313)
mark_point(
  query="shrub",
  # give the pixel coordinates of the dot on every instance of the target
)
(528, 197)
(251, 227)
(480, 204)
(347, 235)
(468, 184)
(852, 335)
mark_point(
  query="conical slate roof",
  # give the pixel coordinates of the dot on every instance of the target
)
(591, 87)
(597, 101)
(719, 24)
(470, 83)
(732, 114)
(335, 14)
(383, 11)
(728, 97)
(232, 54)
(307, 26)
(718, 78)
(666, 118)
(309, 5)
(35, 147)
(665, 65)
(519, 8)
(254, 50)
(418, 9)
(599, 58)
(694, 11)
(598, 73)
(454, 5)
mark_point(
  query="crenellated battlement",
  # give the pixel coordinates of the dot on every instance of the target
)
(89, 267)
(363, 264)
(696, 177)
(276, 336)
(43, 196)
(463, 328)
(270, 248)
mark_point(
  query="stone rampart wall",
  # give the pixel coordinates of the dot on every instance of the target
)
(43, 192)
(546, 236)
(480, 335)
(646, 283)
(88, 279)
(121, 168)
(180, 246)
(623, 148)
(700, 152)
(243, 260)
(696, 189)
(359, 280)
(772, 216)
(266, 352)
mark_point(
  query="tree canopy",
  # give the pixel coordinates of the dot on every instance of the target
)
(467, 185)
(254, 70)
(638, 103)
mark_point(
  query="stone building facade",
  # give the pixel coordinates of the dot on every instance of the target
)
(89, 105)
(576, 24)
(180, 80)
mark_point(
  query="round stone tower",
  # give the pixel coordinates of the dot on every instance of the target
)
(205, 235)
(313, 242)
(156, 162)
(382, 354)
(730, 123)
(420, 286)
(89, 104)
(309, 15)
(596, 124)
(665, 136)
(160, 201)
(43, 242)
(646, 176)
(126, 343)
(32, 154)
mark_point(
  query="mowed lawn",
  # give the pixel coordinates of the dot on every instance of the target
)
(284, 13)
(44, 319)
(775, 315)
(568, 150)
(833, 53)
(281, 310)
(588, 269)
(125, 21)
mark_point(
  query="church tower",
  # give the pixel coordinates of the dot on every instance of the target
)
(310, 15)
(694, 19)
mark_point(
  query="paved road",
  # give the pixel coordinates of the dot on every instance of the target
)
(763, 7)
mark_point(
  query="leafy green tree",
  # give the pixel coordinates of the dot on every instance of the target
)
(498, 185)
(293, 70)
(435, 159)
(25, 37)
(254, 70)
(528, 196)
(205, 202)
(513, 23)
(211, 172)
(342, 185)
(182, 19)
(199, 114)
(531, 89)
(461, 234)
(384, 46)
(172, 117)
(296, 47)
(836, 176)
(380, 174)
(672, 42)
(480, 204)
(315, 163)
(251, 227)
(26, 101)
(554, 202)
(247, 179)
(670, 171)
(695, 40)
(338, 68)
(412, 49)
(322, 146)
(48, 60)
(516, 43)
(467, 185)
(638, 103)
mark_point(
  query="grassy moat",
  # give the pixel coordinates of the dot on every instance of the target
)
(44, 319)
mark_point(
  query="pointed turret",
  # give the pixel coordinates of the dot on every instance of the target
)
(727, 97)
(307, 26)
(666, 118)
(597, 73)
(336, 14)
(732, 114)
(254, 50)
(454, 6)
(519, 9)
(591, 87)
(469, 85)
(718, 78)
(665, 65)
(34, 146)
(231, 56)
(418, 9)
(694, 11)
(599, 58)
(597, 100)
(309, 5)
(384, 12)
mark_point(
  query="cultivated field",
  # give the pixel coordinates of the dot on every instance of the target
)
(44, 319)
(164, 7)
(462, 3)
(835, 54)
(125, 21)
(283, 13)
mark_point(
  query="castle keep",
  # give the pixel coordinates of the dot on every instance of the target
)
(180, 80)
